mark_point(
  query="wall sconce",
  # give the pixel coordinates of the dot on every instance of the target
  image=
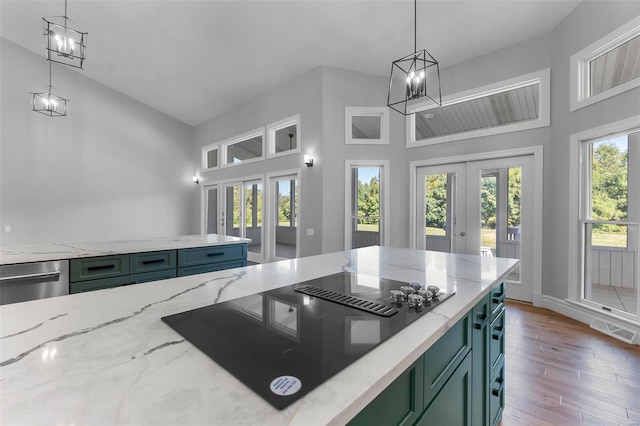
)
(308, 160)
(196, 180)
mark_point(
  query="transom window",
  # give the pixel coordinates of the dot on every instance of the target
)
(606, 68)
(284, 137)
(210, 157)
(517, 104)
(243, 149)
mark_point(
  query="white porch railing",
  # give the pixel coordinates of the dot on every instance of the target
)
(613, 266)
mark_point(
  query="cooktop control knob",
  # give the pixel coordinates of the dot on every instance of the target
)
(406, 289)
(415, 286)
(434, 289)
(415, 301)
(396, 296)
(426, 295)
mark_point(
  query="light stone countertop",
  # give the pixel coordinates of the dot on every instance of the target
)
(60, 251)
(106, 358)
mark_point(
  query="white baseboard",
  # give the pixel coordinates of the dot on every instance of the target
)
(600, 321)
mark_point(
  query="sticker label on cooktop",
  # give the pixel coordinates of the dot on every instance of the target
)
(285, 385)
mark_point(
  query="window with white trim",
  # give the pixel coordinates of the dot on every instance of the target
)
(243, 149)
(284, 137)
(611, 218)
(606, 68)
(366, 125)
(210, 157)
(516, 104)
(366, 207)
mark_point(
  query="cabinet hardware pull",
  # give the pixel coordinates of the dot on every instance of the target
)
(151, 262)
(27, 276)
(498, 391)
(481, 321)
(215, 254)
(498, 335)
(498, 299)
(100, 268)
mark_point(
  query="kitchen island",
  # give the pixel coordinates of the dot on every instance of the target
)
(28, 253)
(105, 357)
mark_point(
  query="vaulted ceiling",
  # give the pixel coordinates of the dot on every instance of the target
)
(196, 59)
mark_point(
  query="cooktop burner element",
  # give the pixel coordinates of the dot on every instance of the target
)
(285, 342)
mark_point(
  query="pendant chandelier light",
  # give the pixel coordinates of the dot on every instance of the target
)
(65, 42)
(415, 78)
(47, 102)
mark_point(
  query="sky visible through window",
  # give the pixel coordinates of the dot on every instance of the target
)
(366, 173)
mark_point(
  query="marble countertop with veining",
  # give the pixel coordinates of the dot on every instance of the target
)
(60, 251)
(106, 358)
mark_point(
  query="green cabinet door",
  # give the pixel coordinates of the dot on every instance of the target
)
(452, 405)
(444, 356)
(399, 404)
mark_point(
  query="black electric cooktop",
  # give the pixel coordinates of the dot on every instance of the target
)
(283, 343)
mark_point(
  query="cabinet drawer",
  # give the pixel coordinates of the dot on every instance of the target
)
(399, 404)
(90, 285)
(497, 340)
(497, 300)
(152, 261)
(145, 277)
(452, 404)
(201, 269)
(212, 254)
(92, 268)
(496, 397)
(445, 355)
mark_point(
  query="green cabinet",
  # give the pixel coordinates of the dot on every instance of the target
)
(488, 358)
(452, 404)
(459, 380)
(96, 273)
(399, 404)
(213, 258)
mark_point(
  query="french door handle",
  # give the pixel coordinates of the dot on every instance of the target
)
(460, 234)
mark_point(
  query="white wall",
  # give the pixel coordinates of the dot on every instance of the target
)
(302, 95)
(589, 22)
(112, 169)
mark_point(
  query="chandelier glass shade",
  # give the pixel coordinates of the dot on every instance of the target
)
(414, 83)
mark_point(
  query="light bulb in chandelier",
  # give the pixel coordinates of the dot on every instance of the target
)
(64, 46)
(416, 84)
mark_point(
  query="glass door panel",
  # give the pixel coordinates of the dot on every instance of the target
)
(211, 209)
(233, 211)
(500, 206)
(253, 216)
(285, 218)
(439, 198)
(365, 206)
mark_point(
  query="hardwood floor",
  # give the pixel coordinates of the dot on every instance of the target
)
(561, 372)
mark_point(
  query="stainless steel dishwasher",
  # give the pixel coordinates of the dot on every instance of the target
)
(30, 281)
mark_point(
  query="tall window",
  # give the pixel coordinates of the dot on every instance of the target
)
(611, 212)
(366, 205)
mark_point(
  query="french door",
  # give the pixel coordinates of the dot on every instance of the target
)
(242, 214)
(283, 217)
(483, 208)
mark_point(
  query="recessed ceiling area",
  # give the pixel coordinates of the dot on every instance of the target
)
(196, 59)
